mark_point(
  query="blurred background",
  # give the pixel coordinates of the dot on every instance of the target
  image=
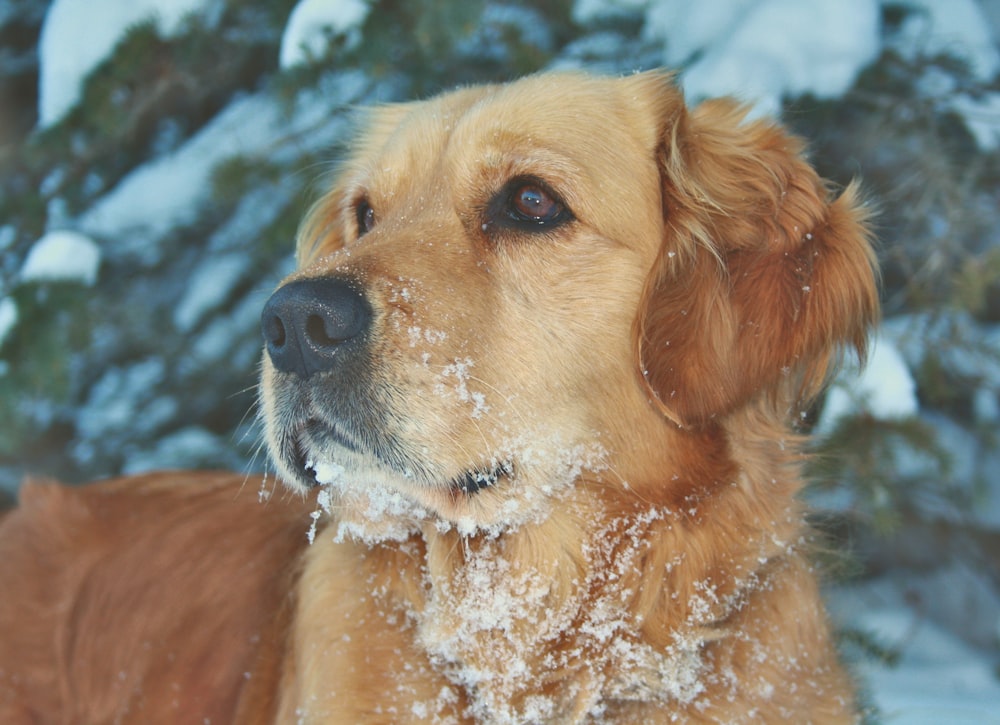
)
(157, 155)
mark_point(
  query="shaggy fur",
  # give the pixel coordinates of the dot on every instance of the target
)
(548, 400)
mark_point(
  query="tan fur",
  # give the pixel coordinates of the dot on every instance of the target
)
(708, 280)
(641, 556)
(160, 598)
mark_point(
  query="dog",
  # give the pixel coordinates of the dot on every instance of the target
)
(536, 378)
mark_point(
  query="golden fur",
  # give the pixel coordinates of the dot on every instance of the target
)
(560, 475)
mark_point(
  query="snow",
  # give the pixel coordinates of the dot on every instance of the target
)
(314, 22)
(490, 598)
(958, 28)
(168, 192)
(764, 50)
(123, 400)
(210, 285)
(963, 346)
(982, 117)
(190, 445)
(884, 389)
(77, 35)
(594, 11)
(8, 318)
(938, 678)
(385, 513)
(62, 256)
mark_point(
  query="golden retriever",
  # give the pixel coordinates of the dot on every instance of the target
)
(538, 366)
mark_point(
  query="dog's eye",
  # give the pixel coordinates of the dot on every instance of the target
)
(365, 216)
(531, 205)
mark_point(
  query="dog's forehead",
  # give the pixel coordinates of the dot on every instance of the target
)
(592, 121)
(594, 140)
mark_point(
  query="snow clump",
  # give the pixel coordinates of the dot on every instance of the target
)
(884, 389)
(8, 317)
(77, 35)
(764, 50)
(313, 23)
(64, 256)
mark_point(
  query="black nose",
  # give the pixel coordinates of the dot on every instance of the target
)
(309, 324)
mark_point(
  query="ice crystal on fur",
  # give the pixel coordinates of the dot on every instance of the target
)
(459, 371)
(363, 507)
(509, 612)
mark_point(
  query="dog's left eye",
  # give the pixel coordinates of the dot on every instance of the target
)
(529, 204)
(365, 215)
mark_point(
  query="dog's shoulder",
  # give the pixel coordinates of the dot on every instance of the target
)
(112, 578)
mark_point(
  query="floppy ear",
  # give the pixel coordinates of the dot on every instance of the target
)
(762, 276)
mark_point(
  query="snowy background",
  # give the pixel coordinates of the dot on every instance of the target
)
(156, 155)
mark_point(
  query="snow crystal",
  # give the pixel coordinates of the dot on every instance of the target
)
(324, 499)
(62, 255)
(312, 24)
(381, 513)
(885, 389)
(459, 371)
(8, 317)
(495, 603)
(77, 35)
(328, 473)
(762, 50)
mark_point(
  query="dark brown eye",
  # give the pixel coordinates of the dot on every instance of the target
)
(530, 204)
(365, 216)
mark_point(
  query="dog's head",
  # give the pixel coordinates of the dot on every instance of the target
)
(510, 285)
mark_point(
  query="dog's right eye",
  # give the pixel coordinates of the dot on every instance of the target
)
(365, 215)
(527, 204)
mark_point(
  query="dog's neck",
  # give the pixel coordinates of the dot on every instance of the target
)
(549, 620)
(545, 623)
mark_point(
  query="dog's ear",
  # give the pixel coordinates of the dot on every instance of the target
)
(762, 275)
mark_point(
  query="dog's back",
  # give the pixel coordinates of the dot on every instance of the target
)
(165, 596)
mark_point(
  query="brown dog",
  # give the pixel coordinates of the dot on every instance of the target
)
(540, 353)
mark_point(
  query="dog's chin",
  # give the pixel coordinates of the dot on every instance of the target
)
(378, 485)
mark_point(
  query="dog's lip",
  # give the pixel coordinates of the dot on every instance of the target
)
(312, 436)
(474, 480)
(305, 441)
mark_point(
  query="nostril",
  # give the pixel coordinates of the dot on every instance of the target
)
(274, 331)
(318, 334)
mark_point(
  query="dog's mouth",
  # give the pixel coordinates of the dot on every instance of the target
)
(315, 441)
(305, 440)
(475, 480)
